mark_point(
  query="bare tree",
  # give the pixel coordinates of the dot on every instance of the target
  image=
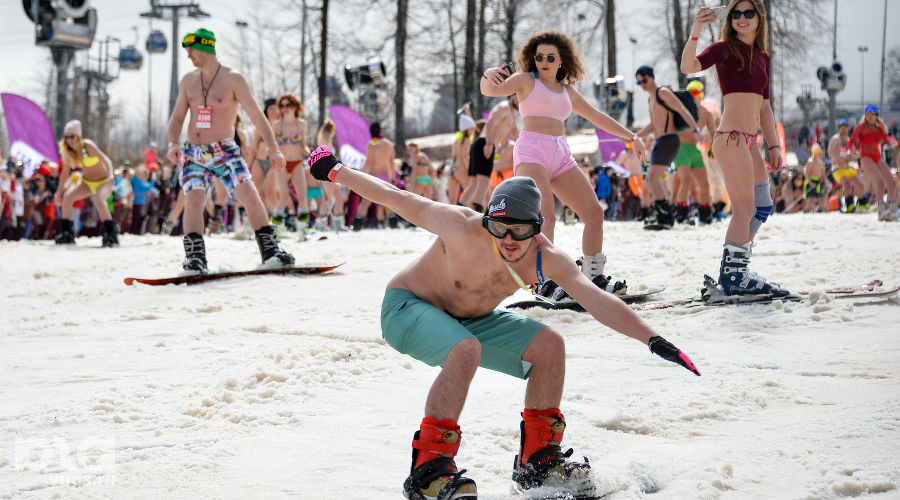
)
(482, 28)
(469, 64)
(510, 28)
(400, 55)
(323, 55)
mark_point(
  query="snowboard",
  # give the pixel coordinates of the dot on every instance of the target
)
(192, 279)
(571, 305)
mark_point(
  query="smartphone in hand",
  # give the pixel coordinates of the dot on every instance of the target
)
(510, 68)
(719, 12)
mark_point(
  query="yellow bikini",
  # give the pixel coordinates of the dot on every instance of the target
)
(87, 162)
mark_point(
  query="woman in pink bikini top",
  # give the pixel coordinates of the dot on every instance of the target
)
(548, 65)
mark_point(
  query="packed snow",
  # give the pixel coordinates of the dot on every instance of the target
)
(281, 386)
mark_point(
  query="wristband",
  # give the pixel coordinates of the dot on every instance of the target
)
(773, 147)
(172, 143)
(334, 171)
(694, 38)
(491, 144)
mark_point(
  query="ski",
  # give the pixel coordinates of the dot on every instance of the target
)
(191, 279)
(874, 288)
(571, 305)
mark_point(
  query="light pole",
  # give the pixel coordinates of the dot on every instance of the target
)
(862, 81)
(633, 45)
(242, 25)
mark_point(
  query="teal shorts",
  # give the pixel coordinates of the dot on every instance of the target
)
(414, 327)
(313, 192)
(689, 155)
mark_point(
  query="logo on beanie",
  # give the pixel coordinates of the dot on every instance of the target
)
(498, 210)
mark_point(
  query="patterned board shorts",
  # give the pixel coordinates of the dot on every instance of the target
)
(221, 159)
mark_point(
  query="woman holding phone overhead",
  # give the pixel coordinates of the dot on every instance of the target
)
(548, 66)
(742, 66)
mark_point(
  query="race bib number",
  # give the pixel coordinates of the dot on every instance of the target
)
(204, 117)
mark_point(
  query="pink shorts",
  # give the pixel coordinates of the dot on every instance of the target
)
(549, 151)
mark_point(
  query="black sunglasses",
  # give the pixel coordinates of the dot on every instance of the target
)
(285, 105)
(71, 137)
(641, 82)
(749, 14)
(540, 58)
(519, 231)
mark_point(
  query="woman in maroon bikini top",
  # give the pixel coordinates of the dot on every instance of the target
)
(742, 66)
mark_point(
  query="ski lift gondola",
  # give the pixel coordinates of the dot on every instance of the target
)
(130, 58)
(156, 42)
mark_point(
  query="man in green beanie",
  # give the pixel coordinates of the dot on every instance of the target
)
(212, 93)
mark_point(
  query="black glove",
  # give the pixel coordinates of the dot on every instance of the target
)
(323, 164)
(664, 349)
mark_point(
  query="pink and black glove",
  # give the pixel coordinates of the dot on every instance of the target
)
(322, 164)
(664, 349)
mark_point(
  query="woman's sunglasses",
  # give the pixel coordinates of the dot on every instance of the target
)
(71, 137)
(749, 14)
(641, 82)
(540, 58)
(285, 105)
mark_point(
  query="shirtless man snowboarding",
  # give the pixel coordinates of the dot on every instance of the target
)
(440, 310)
(212, 93)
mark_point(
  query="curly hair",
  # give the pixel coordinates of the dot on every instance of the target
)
(729, 34)
(570, 71)
(298, 106)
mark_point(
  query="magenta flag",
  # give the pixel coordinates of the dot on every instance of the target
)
(30, 134)
(351, 134)
(611, 146)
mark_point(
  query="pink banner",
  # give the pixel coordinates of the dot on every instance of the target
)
(611, 146)
(351, 135)
(30, 134)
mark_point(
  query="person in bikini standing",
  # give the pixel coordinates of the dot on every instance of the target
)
(548, 67)
(742, 66)
(868, 135)
(663, 103)
(440, 310)
(422, 171)
(259, 160)
(290, 136)
(212, 93)
(86, 172)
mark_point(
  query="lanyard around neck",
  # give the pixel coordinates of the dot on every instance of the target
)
(514, 274)
(205, 89)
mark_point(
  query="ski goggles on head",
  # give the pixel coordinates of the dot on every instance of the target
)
(519, 230)
(206, 44)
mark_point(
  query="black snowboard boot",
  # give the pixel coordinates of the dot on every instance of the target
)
(110, 233)
(194, 253)
(705, 212)
(66, 234)
(268, 246)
